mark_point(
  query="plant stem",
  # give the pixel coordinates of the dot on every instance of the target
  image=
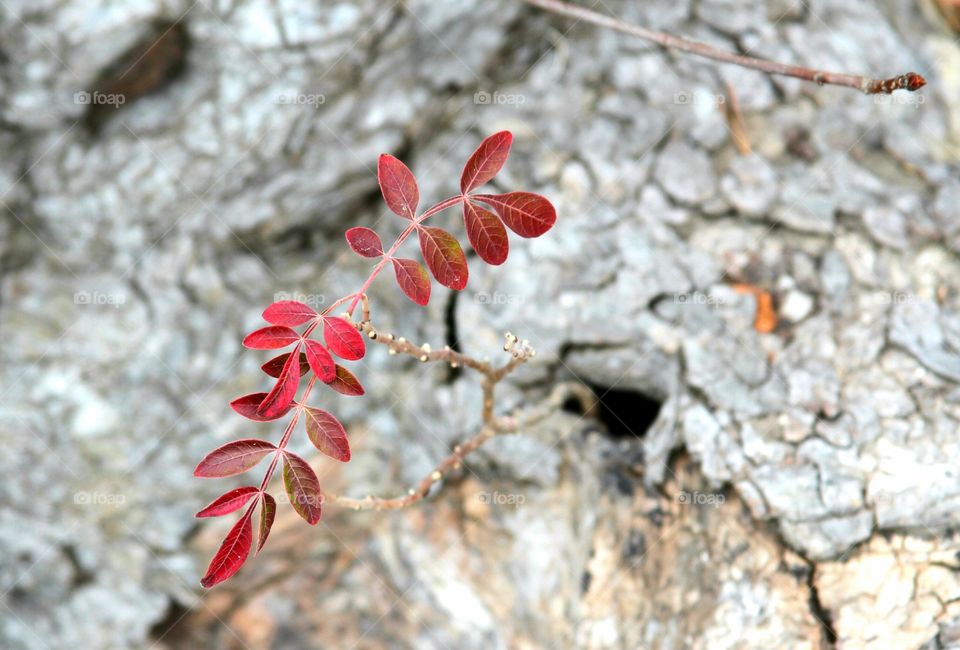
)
(443, 205)
(286, 434)
(506, 425)
(910, 81)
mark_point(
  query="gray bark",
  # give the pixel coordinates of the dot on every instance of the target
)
(795, 485)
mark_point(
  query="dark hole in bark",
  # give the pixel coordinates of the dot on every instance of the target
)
(625, 414)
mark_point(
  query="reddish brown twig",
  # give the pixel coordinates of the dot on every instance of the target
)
(504, 425)
(910, 81)
(492, 425)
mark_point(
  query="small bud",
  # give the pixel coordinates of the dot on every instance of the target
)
(401, 340)
(454, 364)
(436, 476)
(411, 491)
(424, 358)
(393, 351)
(372, 334)
(426, 348)
(389, 337)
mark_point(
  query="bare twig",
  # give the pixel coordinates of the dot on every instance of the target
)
(520, 352)
(505, 425)
(910, 81)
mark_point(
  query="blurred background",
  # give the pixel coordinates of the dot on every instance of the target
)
(758, 276)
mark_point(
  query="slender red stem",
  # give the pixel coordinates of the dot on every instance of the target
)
(443, 205)
(286, 435)
(910, 81)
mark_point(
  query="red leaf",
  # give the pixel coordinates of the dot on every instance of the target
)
(278, 400)
(320, 361)
(227, 503)
(444, 257)
(232, 554)
(288, 312)
(275, 366)
(345, 383)
(486, 234)
(342, 338)
(303, 487)
(398, 186)
(327, 434)
(364, 242)
(486, 161)
(248, 404)
(268, 512)
(413, 280)
(525, 213)
(233, 458)
(271, 338)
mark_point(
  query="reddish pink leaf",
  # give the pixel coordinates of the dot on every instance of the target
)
(486, 234)
(327, 434)
(320, 361)
(228, 502)
(413, 280)
(444, 257)
(278, 400)
(288, 312)
(525, 213)
(398, 186)
(275, 366)
(345, 383)
(248, 404)
(232, 554)
(271, 338)
(303, 487)
(486, 161)
(268, 512)
(364, 242)
(233, 458)
(342, 338)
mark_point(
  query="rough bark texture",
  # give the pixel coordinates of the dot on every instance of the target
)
(796, 488)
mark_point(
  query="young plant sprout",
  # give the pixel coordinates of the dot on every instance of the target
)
(317, 343)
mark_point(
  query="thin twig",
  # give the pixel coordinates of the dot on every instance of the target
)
(520, 352)
(910, 81)
(504, 425)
